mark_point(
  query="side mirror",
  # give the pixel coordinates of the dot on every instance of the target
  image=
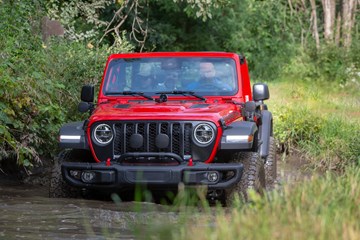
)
(87, 93)
(84, 107)
(260, 92)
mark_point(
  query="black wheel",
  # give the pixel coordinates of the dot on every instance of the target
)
(58, 187)
(253, 177)
(271, 165)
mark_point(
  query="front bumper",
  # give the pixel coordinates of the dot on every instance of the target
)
(119, 176)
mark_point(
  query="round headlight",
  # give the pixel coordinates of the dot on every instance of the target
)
(103, 134)
(204, 133)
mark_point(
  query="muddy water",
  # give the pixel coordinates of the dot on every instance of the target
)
(27, 213)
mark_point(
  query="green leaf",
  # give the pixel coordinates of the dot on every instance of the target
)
(27, 163)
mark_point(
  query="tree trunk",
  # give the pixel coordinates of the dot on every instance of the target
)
(338, 29)
(314, 23)
(348, 18)
(329, 19)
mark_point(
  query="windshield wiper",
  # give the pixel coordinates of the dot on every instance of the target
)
(183, 93)
(132, 93)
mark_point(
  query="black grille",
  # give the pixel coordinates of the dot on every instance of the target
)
(179, 134)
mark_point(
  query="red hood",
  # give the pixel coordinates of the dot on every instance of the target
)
(171, 110)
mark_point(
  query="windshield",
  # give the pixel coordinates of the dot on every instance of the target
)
(206, 76)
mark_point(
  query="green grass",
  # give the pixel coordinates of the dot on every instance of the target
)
(322, 99)
(326, 207)
(323, 121)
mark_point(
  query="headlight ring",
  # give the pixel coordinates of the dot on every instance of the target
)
(103, 134)
(204, 134)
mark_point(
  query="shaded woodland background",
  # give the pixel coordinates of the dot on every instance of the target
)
(41, 73)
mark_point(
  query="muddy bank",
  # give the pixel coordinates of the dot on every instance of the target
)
(293, 168)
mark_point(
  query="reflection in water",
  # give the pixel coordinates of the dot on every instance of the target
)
(27, 213)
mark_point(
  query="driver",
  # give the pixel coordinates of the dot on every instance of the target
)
(208, 79)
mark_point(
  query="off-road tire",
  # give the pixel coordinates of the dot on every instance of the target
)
(253, 177)
(58, 187)
(271, 165)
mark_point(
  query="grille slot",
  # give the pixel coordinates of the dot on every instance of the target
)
(179, 134)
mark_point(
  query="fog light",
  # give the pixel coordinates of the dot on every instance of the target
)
(213, 176)
(87, 176)
(75, 174)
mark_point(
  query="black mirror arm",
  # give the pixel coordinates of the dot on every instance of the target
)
(91, 108)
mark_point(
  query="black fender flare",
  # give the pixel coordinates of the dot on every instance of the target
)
(72, 135)
(265, 131)
(235, 136)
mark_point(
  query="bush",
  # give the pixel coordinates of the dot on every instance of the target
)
(314, 122)
(339, 145)
(40, 83)
(296, 125)
(330, 64)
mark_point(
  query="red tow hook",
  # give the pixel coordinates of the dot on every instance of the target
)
(190, 162)
(108, 163)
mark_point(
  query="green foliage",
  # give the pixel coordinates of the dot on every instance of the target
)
(314, 119)
(40, 84)
(338, 145)
(81, 19)
(331, 140)
(263, 33)
(295, 125)
(202, 8)
(330, 64)
(326, 207)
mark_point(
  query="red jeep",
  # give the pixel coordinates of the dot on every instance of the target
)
(167, 118)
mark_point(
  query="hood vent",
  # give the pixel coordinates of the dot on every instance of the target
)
(122, 106)
(204, 105)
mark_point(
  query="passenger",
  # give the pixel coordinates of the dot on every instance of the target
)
(208, 79)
